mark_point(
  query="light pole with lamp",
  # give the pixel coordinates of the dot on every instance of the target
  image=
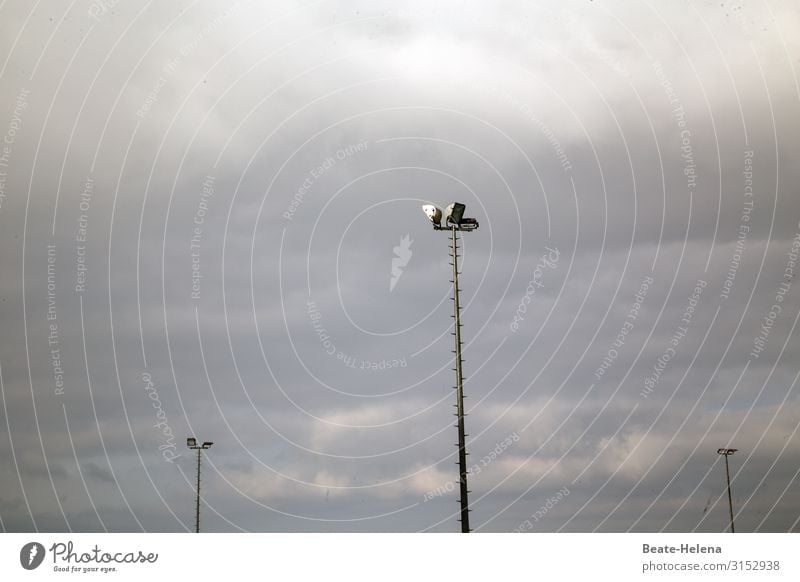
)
(191, 442)
(456, 222)
(727, 453)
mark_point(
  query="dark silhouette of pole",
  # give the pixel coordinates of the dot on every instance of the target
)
(455, 222)
(191, 442)
(462, 446)
(730, 499)
(727, 453)
(197, 504)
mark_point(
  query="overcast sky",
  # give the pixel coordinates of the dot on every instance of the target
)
(210, 225)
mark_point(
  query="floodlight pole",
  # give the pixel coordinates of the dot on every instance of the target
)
(197, 505)
(192, 444)
(727, 453)
(462, 446)
(455, 221)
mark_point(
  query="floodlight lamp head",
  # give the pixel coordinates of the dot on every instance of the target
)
(207, 444)
(433, 213)
(191, 442)
(455, 213)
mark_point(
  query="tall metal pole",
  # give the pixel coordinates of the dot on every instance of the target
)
(456, 220)
(197, 507)
(462, 447)
(726, 453)
(730, 500)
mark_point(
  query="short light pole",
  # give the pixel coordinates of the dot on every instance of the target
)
(456, 222)
(191, 442)
(727, 453)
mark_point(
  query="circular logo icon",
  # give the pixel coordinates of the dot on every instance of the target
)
(31, 555)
